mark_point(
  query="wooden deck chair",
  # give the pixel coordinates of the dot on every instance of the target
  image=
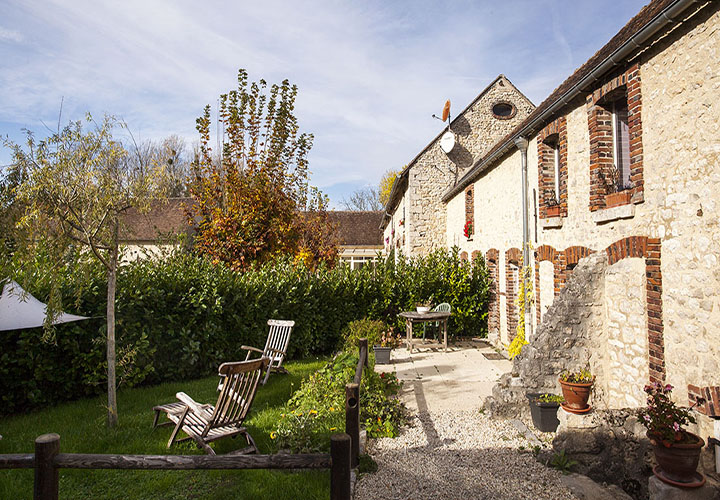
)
(444, 307)
(275, 346)
(206, 423)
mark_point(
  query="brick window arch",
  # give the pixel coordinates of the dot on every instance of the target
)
(464, 256)
(650, 250)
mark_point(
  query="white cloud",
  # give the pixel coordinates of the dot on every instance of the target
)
(370, 73)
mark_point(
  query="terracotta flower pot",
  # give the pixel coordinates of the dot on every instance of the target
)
(576, 395)
(678, 462)
(552, 211)
(617, 199)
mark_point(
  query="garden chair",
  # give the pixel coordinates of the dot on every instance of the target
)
(205, 423)
(444, 307)
(275, 346)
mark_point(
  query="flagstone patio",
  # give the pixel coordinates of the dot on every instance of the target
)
(459, 379)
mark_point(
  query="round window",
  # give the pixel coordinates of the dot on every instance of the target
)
(503, 110)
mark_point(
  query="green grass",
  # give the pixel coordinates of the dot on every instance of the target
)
(82, 429)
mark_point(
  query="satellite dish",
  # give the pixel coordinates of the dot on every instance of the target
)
(446, 111)
(447, 141)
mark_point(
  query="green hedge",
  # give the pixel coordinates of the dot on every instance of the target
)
(182, 316)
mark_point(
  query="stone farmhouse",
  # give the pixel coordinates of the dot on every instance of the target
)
(611, 189)
(414, 221)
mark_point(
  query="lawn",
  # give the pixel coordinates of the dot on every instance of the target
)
(81, 426)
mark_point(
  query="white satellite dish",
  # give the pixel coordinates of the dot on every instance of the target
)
(447, 142)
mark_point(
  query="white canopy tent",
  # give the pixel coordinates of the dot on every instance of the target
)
(19, 309)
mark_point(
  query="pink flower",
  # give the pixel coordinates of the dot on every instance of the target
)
(647, 418)
(668, 387)
(676, 426)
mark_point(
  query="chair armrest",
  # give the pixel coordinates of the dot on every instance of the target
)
(248, 348)
(198, 409)
(276, 351)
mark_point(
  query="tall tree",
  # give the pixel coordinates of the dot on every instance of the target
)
(172, 154)
(367, 198)
(76, 185)
(253, 200)
(386, 184)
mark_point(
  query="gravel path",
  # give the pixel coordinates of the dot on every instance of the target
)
(457, 455)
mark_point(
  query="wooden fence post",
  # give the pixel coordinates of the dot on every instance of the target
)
(47, 477)
(352, 421)
(340, 470)
(364, 343)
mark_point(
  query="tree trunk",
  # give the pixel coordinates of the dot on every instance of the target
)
(112, 280)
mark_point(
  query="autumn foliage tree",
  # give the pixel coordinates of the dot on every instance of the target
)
(251, 199)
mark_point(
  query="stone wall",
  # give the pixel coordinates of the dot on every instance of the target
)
(433, 172)
(673, 229)
(627, 343)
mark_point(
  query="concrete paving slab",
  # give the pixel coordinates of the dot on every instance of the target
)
(436, 380)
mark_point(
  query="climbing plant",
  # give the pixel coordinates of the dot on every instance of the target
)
(525, 299)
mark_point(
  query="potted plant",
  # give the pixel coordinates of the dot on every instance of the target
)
(388, 340)
(677, 451)
(616, 192)
(552, 207)
(424, 306)
(468, 229)
(576, 387)
(543, 410)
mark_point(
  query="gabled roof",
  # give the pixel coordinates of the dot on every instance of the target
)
(358, 228)
(393, 198)
(633, 38)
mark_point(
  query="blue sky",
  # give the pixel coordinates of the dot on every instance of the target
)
(370, 73)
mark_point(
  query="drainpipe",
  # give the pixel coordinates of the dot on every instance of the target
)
(522, 144)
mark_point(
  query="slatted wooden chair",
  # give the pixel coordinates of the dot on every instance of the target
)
(275, 346)
(444, 307)
(205, 423)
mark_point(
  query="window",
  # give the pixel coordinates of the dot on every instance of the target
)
(616, 149)
(621, 142)
(552, 169)
(503, 110)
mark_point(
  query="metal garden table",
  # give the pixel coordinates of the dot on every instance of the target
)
(412, 317)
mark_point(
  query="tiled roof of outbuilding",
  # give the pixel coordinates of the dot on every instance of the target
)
(162, 219)
(358, 228)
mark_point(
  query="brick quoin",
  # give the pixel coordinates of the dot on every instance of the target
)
(650, 250)
(491, 257)
(600, 129)
(554, 133)
(512, 256)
